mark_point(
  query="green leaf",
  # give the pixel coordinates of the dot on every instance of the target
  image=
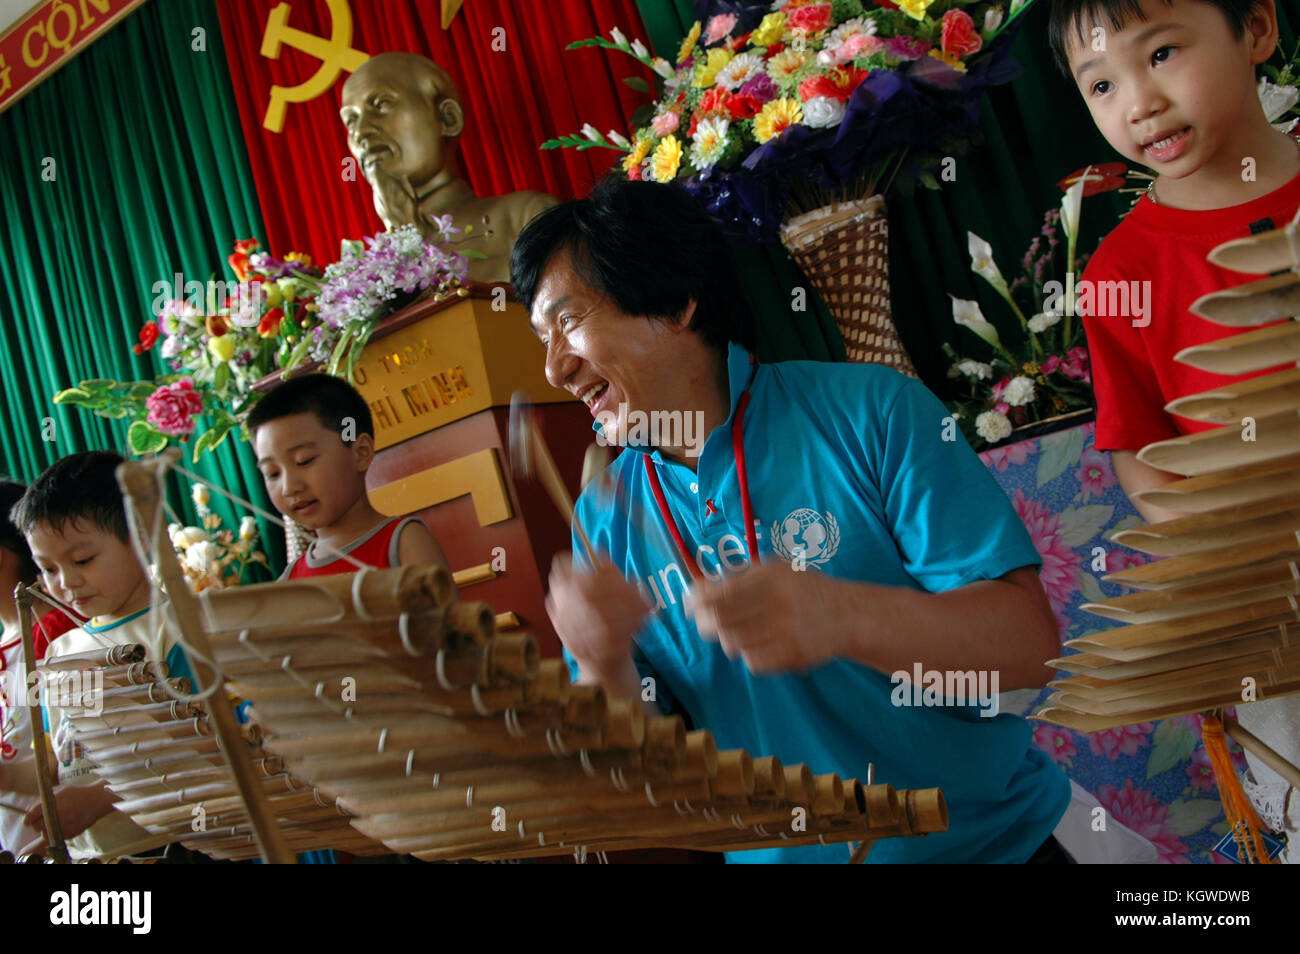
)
(113, 412)
(1130, 522)
(72, 396)
(143, 438)
(637, 83)
(1186, 818)
(1088, 585)
(1079, 525)
(221, 377)
(1057, 452)
(1171, 745)
(928, 180)
(98, 384)
(141, 389)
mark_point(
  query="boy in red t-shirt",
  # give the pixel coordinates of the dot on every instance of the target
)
(1173, 88)
(314, 440)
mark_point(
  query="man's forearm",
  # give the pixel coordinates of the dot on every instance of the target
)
(621, 681)
(993, 625)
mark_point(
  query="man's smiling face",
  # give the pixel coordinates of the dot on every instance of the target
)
(598, 353)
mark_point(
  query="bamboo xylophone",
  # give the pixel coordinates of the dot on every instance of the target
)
(1220, 607)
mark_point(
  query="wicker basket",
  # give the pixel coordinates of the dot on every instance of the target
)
(843, 248)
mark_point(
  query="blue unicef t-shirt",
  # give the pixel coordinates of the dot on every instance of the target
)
(848, 469)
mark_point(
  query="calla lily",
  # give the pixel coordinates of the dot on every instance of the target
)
(639, 50)
(982, 264)
(967, 313)
(619, 139)
(1276, 99)
(1070, 209)
(662, 67)
(591, 132)
(619, 39)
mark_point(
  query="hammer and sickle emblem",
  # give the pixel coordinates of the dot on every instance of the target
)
(336, 54)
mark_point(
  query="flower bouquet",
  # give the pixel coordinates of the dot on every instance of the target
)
(224, 337)
(211, 556)
(1043, 371)
(793, 118)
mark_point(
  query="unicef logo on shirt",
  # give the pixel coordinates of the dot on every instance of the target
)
(805, 536)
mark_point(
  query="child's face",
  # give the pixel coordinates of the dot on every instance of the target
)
(1172, 92)
(90, 568)
(311, 475)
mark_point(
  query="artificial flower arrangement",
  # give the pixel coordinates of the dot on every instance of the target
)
(1042, 371)
(278, 315)
(792, 104)
(211, 556)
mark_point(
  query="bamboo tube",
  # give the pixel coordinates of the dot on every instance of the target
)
(1252, 744)
(405, 634)
(140, 484)
(44, 776)
(769, 778)
(551, 685)
(181, 728)
(109, 657)
(800, 787)
(470, 575)
(507, 621)
(161, 712)
(152, 693)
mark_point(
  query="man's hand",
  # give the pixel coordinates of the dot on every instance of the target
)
(595, 614)
(772, 617)
(79, 807)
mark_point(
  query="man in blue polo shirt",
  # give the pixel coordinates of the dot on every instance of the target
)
(883, 545)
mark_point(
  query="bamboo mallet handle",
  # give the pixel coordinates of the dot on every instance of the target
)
(44, 781)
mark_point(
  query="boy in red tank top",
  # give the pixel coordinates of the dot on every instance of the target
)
(314, 441)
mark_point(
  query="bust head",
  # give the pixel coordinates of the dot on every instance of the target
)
(402, 112)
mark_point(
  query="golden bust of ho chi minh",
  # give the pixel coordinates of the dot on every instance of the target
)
(403, 116)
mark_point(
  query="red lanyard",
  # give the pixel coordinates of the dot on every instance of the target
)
(746, 505)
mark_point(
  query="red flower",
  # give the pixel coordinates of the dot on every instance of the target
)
(773, 50)
(269, 326)
(744, 105)
(887, 4)
(244, 246)
(634, 174)
(148, 337)
(239, 263)
(173, 407)
(960, 38)
(735, 43)
(217, 325)
(837, 84)
(714, 101)
(810, 19)
(1104, 177)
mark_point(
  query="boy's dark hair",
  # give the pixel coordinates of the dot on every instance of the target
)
(1071, 16)
(331, 399)
(78, 487)
(648, 248)
(11, 538)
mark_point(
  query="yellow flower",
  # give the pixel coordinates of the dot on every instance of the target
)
(222, 348)
(775, 117)
(302, 257)
(915, 8)
(769, 31)
(706, 74)
(785, 64)
(952, 59)
(688, 43)
(668, 156)
(640, 149)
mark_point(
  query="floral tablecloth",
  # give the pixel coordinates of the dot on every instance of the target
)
(1153, 777)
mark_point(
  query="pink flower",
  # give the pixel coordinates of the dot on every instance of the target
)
(1094, 473)
(1056, 742)
(1051, 364)
(1000, 387)
(665, 123)
(1060, 571)
(719, 26)
(1117, 560)
(906, 47)
(1003, 457)
(1076, 365)
(1126, 740)
(1199, 770)
(1002, 407)
(1141, 812)
(810, 19)
(173, 407)
(960, 37)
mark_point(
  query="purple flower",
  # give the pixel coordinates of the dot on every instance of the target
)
(762, 86)
(906, 48)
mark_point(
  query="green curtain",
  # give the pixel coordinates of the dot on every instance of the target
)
(1033, 133)
(126, 167)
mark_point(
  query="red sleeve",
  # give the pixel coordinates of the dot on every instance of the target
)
(49, 628)
(1130, 407)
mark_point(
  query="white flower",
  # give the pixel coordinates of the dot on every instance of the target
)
(847, 29)
(171, 347)
(201, 496)
(201, 555)
(1070, 207)
(591, 132)
(709, 142)
(982, 264)
(1019, 391)
(968, 313)
(975, 369)
(619, 39)
(1275, 99)
(993, 426)
(172, 530)
(619, 140)
(739, 71)
(1017, 5)
(639, 50)
(186, 537)
(992, 19)
(662, 67)
(247, 528)
(1043, 320)
(822, 111)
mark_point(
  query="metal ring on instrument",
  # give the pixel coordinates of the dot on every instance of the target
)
(555, 743)
(650, 796)
(383, 737)
(469, 797)
(437, 777)
(478, 701)
(410, 761)
(512, 724)
(404, 634)
(620, 782)
(442, 673)
(356, 593)
(252, 646)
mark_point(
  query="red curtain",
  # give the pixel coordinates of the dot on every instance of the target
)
(514, 99)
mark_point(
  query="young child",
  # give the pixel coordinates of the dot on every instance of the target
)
(75, 524)
(314, 441)
(1171, 85)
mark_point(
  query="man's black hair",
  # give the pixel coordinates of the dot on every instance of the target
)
(331, 399)
(1073, 16)
(648, 248)
(79, 488)
(11, 538)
